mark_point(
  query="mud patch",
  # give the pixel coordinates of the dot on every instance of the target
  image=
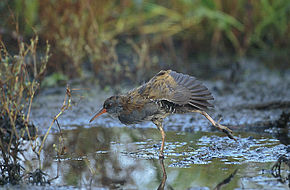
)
(120, 157)
(106, 154)
(208, 148)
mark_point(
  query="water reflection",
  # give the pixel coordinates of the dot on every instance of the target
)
(127, 158)
(226, 181)
(219, 186)
(277, 171)
(99, 158)
(164, 176)
(282, 125)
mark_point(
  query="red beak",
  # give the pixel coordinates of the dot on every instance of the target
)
(98, 114)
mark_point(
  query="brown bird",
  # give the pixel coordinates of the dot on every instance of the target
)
(168, 92)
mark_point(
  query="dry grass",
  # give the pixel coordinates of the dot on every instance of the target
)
(93, 34)
(20, 75)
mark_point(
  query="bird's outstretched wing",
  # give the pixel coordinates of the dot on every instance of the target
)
(177, 88)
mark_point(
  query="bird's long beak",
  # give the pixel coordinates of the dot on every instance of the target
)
(98, 114)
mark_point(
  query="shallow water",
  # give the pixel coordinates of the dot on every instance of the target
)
(127, 158)
(108, 155)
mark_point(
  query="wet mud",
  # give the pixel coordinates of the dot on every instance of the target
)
(107, 154)
(127, 158)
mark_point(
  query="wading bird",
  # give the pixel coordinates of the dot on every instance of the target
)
(168, 92)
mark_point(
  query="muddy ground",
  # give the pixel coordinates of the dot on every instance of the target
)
(254, 101)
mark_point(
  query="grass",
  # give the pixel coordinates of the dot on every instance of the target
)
(20, 78)
(20, 75)
(102, 36)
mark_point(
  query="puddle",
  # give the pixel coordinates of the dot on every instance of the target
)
(108, 155)
(126, 158)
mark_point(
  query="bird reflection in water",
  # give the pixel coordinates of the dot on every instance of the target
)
(226, 181)
(164, 176)
(218, 186)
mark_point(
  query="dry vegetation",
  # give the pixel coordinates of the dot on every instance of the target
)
(19, 79)
(116, 38)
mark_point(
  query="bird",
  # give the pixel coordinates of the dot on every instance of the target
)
(167, 93)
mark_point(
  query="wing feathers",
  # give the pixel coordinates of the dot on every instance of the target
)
(198, 89)
(202, 93)
(193, 92)
(180, 89)
(201, 107)
(203, 103)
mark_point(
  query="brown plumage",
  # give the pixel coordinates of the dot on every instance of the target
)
(168, 92)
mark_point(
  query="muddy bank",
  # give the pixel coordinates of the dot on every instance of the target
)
(252, 102)
(108, 154)
(124, 158)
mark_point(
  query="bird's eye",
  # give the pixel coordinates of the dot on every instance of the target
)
(108, 105)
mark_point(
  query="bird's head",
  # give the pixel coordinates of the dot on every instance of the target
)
(111, 106)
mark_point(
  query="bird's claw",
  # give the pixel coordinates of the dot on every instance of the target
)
(226, 131)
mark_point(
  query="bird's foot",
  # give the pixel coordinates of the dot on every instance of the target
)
(217, 125)
(226, 131)
(161, 156)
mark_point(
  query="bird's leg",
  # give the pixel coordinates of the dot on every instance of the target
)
(161, 155)
(158, 123)
(217, 125)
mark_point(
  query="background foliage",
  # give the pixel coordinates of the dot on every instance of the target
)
(126, 39)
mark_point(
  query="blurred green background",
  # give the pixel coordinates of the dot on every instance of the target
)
(130, 40)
